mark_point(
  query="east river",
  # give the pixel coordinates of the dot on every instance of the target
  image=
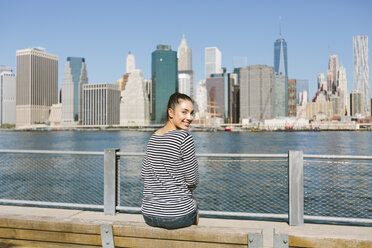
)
(338, 188)
(338, 142)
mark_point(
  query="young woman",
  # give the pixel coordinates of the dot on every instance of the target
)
(170, 170)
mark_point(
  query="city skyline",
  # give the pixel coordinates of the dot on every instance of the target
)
(248, 31)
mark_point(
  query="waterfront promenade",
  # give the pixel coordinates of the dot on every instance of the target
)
(307, 235)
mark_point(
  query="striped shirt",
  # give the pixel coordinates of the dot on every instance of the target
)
(170, 173)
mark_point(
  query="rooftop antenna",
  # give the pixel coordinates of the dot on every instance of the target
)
(280, 26)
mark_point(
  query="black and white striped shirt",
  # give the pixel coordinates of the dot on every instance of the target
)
(169, 171)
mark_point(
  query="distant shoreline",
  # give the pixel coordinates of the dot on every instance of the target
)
(153, 129)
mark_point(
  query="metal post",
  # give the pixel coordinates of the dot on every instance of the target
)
(111, 181)
(296, 188)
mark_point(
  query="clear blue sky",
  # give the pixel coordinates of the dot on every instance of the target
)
(104, 31)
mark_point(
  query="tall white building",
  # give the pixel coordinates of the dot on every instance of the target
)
(361, 71)
(184, 55)
(7, 96)
(184, 83)
(201, 97)
(185, 73)
(213, 61)
(134, 105)
(342, 88)
(37, 85)
(101, 104)
(131, 63)
(73, 80)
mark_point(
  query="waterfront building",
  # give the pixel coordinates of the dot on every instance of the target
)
(336, 104)
(292, 98)
(134, 105)
(7, 96)
(332, 82)
(356, 103)
(361, 70)
(313, 109)
(256, 92)
(220, 96)
(131, 63)
(201, 99)
(101, 104)
(280, 56)
(213, 61)
(74, 78)
(284, 123)
(36, 85)
(164, 81)
(342, 90)
(55, 116)
(281, 96)
(235, 100)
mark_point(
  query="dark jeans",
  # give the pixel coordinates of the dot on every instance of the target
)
(171, 223)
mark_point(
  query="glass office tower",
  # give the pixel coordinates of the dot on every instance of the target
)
(280, 57)
(164, 81)
(75, 77)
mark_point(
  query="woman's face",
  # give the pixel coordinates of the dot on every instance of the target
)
(182, 115)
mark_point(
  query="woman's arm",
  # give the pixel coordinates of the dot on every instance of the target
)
(191, 173)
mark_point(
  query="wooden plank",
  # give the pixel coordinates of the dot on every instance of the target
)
(297, 241)
(50, 224)
(8, 243)
(41, 235)
(195, 233)
(161, 243)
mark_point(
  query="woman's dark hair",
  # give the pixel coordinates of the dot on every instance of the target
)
(174, 101)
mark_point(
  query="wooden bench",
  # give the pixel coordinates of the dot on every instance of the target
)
(30, 231)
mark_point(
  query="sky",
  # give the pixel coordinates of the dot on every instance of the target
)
(103, 32)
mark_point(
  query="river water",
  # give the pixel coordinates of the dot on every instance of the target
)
(338, 142)
(337, 188)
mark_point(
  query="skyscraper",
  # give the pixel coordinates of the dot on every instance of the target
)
(131, 63)
(101, 104)
(361, 71)
(220, 88)
(134, 105)
(332, 80)
(7, 96)
(73, 80)
(342, 90)
(185, 72)
(280, 56)
(37, 85)
(292, 98)
(164, 81)
(213, 61)
(201, 97)
(356, 103)
(281, 95)
(257, 92)
(184, 56)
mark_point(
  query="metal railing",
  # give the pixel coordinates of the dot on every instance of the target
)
(292, 187)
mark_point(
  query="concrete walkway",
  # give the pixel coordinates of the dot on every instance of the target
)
(308, 231)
